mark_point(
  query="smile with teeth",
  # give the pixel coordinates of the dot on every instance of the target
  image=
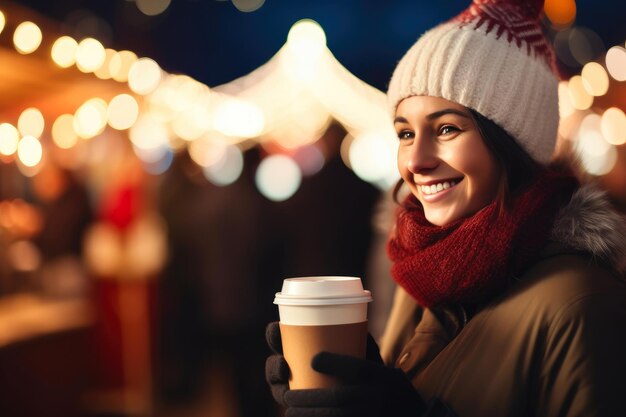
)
(436, 188)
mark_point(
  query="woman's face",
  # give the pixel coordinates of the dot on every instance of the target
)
(443, 159)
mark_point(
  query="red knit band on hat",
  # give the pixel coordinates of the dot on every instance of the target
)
(519, 20)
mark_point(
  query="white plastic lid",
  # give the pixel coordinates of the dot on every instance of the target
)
(322, 290)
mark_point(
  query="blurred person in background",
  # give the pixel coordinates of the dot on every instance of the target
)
(511, 298)
(66, 212)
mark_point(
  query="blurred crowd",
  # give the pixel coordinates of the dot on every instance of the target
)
(179, 273)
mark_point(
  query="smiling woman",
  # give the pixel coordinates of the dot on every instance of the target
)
(510, 297)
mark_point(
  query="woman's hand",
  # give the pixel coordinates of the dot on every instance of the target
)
(276, 368)
(368, 388)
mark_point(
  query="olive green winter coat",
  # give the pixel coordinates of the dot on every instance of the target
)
(553, 345)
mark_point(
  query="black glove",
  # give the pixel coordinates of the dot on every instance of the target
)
(276, 367)
(369, 389)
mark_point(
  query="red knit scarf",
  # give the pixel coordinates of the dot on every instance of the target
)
(472, 259)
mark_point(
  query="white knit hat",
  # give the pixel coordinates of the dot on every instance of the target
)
(492, 58)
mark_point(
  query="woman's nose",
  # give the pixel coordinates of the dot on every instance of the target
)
(422, 156)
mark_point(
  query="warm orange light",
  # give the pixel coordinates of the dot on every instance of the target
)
(27, 37)
(616, 63)
(122, 112)
(64, 51)
(90, 118)
(90, 55)
(31, 122)
(9, 137)
(613, 126)
(560, 12)
(120, 65)
(104, 72)
(144, 76)
(581, 100)
(29, 151)
(2, 21)
(63, 132)
(595, 79)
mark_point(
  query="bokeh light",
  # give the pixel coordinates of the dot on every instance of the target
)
(90, 55)
(306, 44)
(144, 76)
(90, 118)
(24, 219)
(122, 112)
(103, 249)
(27, 37)
(86, 23)
(613, 126)
(579, 96)
(120, 64)
(29, 151)
(63, 133)
(585, 45)
(616, 63)
(248, 5)
(156, 162)
(151, 156)
(310, 159)
(566, 108)
(31, 122)
(278, 177)
(64, 51)
(306, 38)
(590, 125)
(9, 138)
(206, 152)
(152, 7)
(372, 158)
(2, 21)
(23, 256)
(146, 246)
(227, 169)
(597, 164)
(304, 122)
(104, 71)
(561, 45)
(193, 123)
(149, 134)
(597, 155)
(595, 79)
(239, 118)
(560, 12)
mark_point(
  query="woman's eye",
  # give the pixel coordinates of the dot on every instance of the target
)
(447, 129)
(405, 134)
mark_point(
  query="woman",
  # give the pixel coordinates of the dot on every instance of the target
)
(511, 298)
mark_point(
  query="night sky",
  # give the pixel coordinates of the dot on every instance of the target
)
(214, 42)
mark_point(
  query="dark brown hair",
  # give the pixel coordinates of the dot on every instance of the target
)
(518, 167)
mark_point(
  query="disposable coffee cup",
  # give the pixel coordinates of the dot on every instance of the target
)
(321, 314)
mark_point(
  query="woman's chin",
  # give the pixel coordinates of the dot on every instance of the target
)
(439, 218)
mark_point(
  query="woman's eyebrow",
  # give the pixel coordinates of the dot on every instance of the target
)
(400, 119)
(434, 115)
(440, 113)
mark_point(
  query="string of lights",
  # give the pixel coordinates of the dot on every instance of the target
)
(285, 106)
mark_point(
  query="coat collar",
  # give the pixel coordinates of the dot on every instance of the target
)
(589, 223)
